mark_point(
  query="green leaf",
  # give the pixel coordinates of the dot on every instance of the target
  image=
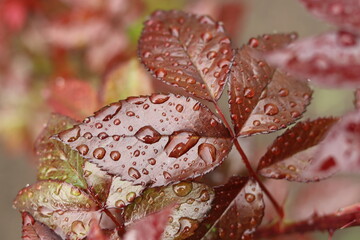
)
(192, 201)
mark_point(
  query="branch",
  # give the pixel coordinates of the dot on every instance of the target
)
(343, 218)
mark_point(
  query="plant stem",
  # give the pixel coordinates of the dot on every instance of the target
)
(248, 166)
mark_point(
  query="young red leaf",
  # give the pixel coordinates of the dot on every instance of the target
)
(291, 153)
(340, 150)
(343, 218)
(157, 139)
(59, 162)
(187, 50)
(150, 227)
(71, 97)
(343, 13)
(330, 59)
(64, 208)
(192, 201)
(262, 98)
(33, 230)
(237, 210)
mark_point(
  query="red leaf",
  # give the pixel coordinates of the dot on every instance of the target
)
(340, 150)
(343, 13)
(158, 139)
(330, 59)
(237, 210)
(290, 155)
(72, 97)
(33, 230)
(263, 99)
(188, 51)
(150, 227)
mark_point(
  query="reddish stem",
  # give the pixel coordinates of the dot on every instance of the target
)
(248, 166)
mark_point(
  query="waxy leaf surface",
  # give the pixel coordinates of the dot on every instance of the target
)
(341, 148)
(192, 201)
(236, 211)
(33, 230)
(291, 154)
(187, 50)
(150, 227)
(343, 13)
(64, 208)
(262, 98)
(331, 59)
(157, 139)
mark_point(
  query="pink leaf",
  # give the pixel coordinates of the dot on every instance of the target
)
(330, 59)
(343, 13)
(150, 227)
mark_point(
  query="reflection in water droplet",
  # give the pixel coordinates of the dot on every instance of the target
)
(78, 228)
(130, 196)
(160, 73)
(180, 143)
(204, 196)
(158, 98)
(148, 135)
(283, 92)
(166, 175)
(83, 149)
(75, 191)
(249, 92)
(249, 197)
(182, 189)
(45, 212)
(253, 42)
(271, 109)
(119, 204)
(179, 108)
(152, 161)
(207, 152)
(134, 173)
(187, 227)
(115, 155)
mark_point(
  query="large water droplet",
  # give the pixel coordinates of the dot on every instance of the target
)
(134, 173)
(158, 98)
(130, 196)
(271, 109)
(78, 228)
(70, 135)
(148, 135)
(182, 189)
(180, 142)
(207, 152)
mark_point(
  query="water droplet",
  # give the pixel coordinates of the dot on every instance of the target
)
(249, 92)
(83, 149)
(346, 39)
(134, 173)
(130, 113)
(160, 73)
(166, 175)
(115, 155)
(88, 135)
(197, 106)
(207, 152)
(87, 173)
(187, 226)
(206, 36)
(292, 168)
(75, 191)
(249, 197)
(45, 212)
(271, 109)
(78, 228)
(180, 142)
(295, 114)
(283, 92)
(130, 196)
(158, 98)
(70, 135)
(204, 196)
(253, 42)
(275, 150)
(98, 125)
(256, 123)
(174, 31)
(191, 80)
(99, 153)
(211, 55)
(148, 135)
(103, 135)
(179, 108)
(182, 189)
(152, 161)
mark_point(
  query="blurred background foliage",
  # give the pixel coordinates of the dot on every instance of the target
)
(74, 56)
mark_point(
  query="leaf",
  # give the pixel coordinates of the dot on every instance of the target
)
(150, 227)
(157, 139)
(192, 201)
(262, 98)
(331, 59)
(71, 97)
(33, 230)
(127, 79)
(340, 150)
(187, 50)
(237, 210)
(59, 162)
(343, 13)
(64, 208)
(291, 154)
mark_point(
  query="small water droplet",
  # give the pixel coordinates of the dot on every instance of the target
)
(152, 161)
(134, 173)
(83, 149)
(75, 191)
(249, 197)
(88, 135)
(160, 73)
(206, 37)
(211, 55)
(179, 108)
(182, 189)
(249, 92)
(115, 155)
(45, 212)
(271, 109)
(256, 123)
(99, 153)
(283, 92)
(167, 175)
(253, 42)
(98, 125)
